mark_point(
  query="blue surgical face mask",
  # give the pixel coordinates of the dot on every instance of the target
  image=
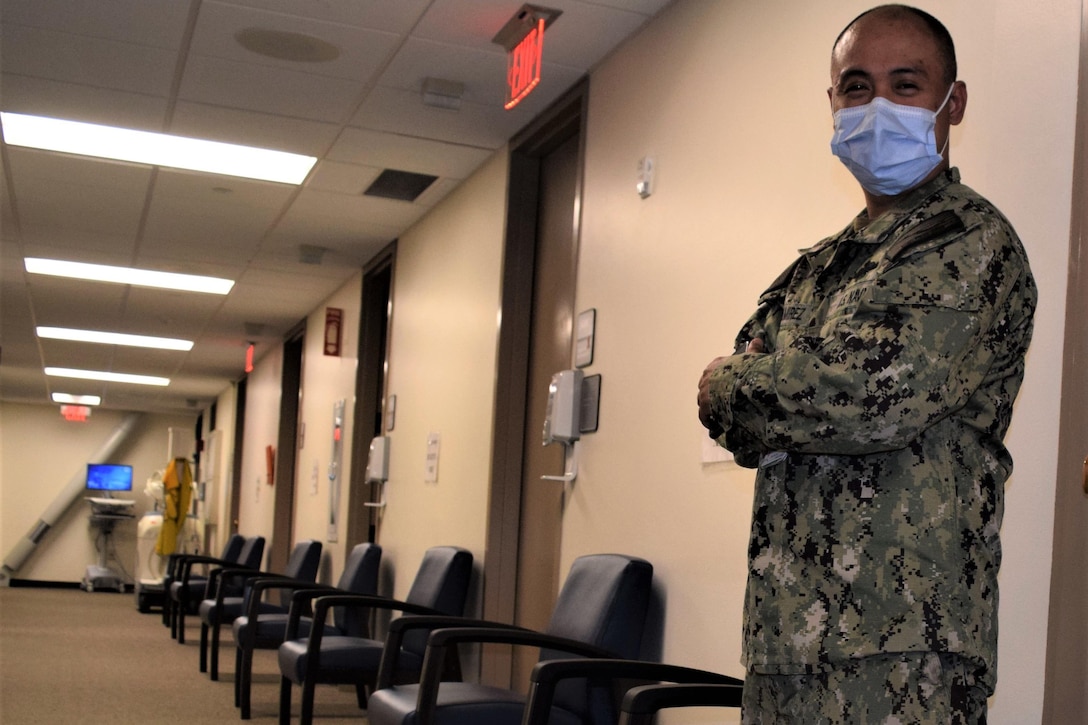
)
(889, 148)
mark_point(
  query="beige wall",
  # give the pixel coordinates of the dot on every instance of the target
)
(218, 464)
(256, 497)
(442, 370)
(327, 379)
(40, 453)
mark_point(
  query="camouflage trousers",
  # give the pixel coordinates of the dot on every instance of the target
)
(895, 689)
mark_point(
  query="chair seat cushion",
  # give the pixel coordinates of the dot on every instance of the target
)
(459, 703)
(233, 607)
(340, 654)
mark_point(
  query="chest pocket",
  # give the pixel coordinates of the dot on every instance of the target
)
(936, 264)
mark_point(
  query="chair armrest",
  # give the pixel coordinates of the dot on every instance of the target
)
(398, 627)
(546, 675)
(640, 703)
(323, 604)
(435, 657)
(186, 562)
(265, 582)
(219, 577)
(300, 604)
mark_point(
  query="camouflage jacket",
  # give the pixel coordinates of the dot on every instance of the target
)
(893, 353)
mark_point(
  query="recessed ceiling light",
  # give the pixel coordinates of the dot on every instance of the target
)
(107, 377)
(158, 149)
(129, 275)
(114, 338)
(67, 399)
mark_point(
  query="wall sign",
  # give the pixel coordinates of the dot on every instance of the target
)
(523, 66)
(334, 317)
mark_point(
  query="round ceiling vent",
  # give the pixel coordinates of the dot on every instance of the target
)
(285, 45)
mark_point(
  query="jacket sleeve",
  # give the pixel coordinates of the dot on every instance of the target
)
(924, 334)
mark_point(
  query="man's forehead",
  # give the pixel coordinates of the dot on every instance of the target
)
(885, 44)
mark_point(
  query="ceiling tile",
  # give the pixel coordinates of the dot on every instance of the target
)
(387, 150)
(90, 61)
(362, 51)
(160, 24)
(265, 89)
(249, 128)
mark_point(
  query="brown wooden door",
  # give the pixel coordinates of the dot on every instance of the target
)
(553, 312)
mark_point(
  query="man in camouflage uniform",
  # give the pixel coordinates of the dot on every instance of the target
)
(872, 389)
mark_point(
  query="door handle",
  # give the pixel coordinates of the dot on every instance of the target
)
(1084, 482)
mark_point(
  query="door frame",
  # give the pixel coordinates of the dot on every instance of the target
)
(283, 514)
(1064, 696)
(368, 419)
(238, 445)
(564, 118)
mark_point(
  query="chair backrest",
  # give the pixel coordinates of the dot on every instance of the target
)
(603, 602)
(441, 584)
(302, 564)
(250, 558)
(360, 576)
(233, 548)
(252, 551)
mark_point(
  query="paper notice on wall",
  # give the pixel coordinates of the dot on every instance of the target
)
(712, 452)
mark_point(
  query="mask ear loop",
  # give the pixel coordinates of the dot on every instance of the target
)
(936, 113)
(945, 101)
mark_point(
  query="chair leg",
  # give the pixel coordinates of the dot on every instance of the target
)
(245, 677)
(179, 624)
(237, 676)
(285, 701)
(361, 694)
(214, 654)
(204, 647)
(306, 714)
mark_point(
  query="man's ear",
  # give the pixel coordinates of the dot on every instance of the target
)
(957, 103)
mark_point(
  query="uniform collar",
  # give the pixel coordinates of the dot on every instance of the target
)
(863, 231)
(868, 231)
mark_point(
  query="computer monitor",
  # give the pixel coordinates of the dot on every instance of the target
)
(109, 477)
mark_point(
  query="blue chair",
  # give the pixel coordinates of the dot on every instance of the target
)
(644, 682)
(439, 588)
(228, 604)
(601, 612)
(186, 597)
(174, 568)
(254, 630)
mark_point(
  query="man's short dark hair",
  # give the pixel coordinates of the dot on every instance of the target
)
(946, 49)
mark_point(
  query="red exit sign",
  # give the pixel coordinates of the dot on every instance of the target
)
(75, 413)
(523, 66)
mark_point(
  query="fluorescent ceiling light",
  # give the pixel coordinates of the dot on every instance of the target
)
(129, 275)
(107, 377)
(159, 149)
(65, 398)
(114, 338)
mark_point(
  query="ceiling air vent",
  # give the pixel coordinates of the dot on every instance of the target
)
(400, 185)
